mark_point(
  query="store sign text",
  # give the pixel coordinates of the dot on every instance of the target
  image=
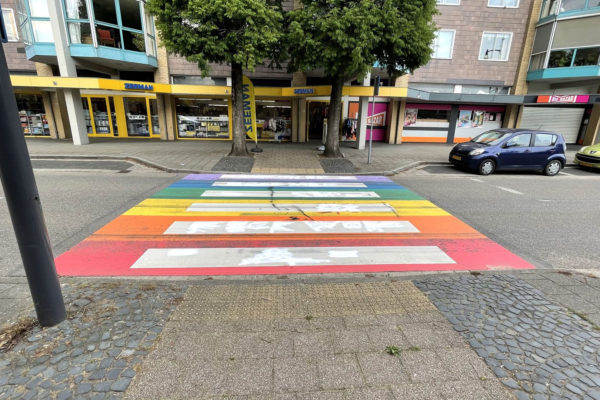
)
(139, 86)
(573, 98)
(304, 91)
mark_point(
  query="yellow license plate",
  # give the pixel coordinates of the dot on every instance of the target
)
(456, 157)
(585, 164)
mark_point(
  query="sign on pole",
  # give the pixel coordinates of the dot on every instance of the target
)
(249, 109)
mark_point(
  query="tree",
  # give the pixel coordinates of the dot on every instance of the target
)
(345, 38)
(242, 33)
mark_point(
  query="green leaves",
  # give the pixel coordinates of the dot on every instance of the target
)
(220, 31)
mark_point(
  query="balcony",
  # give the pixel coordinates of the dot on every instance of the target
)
(565, 64)
(113, 34)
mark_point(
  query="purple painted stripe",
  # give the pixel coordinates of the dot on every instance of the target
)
(284, 178)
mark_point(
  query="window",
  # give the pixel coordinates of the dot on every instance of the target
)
(544, 140)
(448, 2)
(549, 8)
(520, 141)
(495, 46)
(442, 44)
(560, 58)
(503, 3)
(587, 56)
(537, 61)
(424, 117)
(9, 23)
(569, 5)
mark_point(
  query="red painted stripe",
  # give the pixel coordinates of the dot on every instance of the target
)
(114, 258)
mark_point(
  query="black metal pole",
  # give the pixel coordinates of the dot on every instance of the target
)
(25, 208)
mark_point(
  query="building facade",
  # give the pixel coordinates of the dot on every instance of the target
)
(94, 68)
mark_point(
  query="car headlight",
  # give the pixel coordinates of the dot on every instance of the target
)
(581, 150)
(476, 152)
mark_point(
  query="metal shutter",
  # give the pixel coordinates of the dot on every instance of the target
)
(565, 121)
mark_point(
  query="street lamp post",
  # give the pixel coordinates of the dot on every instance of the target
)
(24, 205)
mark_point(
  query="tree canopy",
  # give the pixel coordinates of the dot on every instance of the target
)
(241, 33)
(345, 38)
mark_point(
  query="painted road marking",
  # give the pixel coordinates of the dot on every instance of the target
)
(297, 207)
(295, 194)
(331, 228)
(477, 180)
(290, 184)
(270, 227)
(290, 177)
(290, 256)
(509, 190)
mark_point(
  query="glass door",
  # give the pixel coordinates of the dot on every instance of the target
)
(102, 118)
(136, 113)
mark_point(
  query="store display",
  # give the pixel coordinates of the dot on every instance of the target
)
(34, 124)
(203, 127)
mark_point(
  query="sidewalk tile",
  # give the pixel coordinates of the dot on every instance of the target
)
(340, 372)
(382, 369)
(296, 374)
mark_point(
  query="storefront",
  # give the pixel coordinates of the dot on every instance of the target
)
(122, 116)
(274, 120)
(32, 114)
(564, 114)
(203, 118)
(424, 122)
(473, 120)
(377, 120)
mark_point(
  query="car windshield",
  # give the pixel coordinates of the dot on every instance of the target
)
(490, 138)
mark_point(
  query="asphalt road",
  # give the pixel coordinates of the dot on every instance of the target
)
(551, 222)
(78, 202)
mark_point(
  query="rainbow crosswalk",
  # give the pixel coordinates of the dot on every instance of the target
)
(237, 224)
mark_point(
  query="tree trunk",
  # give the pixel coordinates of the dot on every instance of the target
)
(332, 144)
(238, 147)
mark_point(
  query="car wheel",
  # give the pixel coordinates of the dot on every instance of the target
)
(553, 168)
(487, 166)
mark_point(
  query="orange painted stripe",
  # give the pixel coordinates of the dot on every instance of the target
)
(424, 139)
(281, 238)
(461, 139)
(131, 225)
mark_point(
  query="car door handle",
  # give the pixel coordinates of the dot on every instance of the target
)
(526, 151)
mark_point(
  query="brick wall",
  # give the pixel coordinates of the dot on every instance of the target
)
(470, 19)
(180, 66)
(15, 51)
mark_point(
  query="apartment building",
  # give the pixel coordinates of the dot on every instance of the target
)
(99, 72)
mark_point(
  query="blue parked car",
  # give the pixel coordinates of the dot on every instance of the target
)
(512, 149)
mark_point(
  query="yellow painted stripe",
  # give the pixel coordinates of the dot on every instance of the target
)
(154, 202)
(178, 207)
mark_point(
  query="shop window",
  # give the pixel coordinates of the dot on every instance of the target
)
(154, 115)
(495, 46)
(504, 3)
(537, 61)
(113, 114)
(202, 118)
(479, 119)
(448, 2)
(137, 116)
(10, 24)
(587, 56)
(560, 58)
(87, 116)
(105, 11)
(130, 14)
(593, 3)
(570, 5)
(442, 44)
(273, 120)
(419, 117)
(32, 114)
(101, 116)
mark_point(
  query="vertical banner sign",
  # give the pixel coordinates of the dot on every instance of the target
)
(249, 109)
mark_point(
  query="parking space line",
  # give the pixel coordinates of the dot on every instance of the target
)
(477, 180)
(509, 190)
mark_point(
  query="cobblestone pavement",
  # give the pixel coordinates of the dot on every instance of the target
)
(312, 341)
(537, 348)
(234, 164)
(111, 327)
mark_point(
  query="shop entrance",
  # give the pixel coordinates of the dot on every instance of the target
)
(120, 116)
(317, 120)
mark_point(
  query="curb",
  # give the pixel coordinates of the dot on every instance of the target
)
(159, 167)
